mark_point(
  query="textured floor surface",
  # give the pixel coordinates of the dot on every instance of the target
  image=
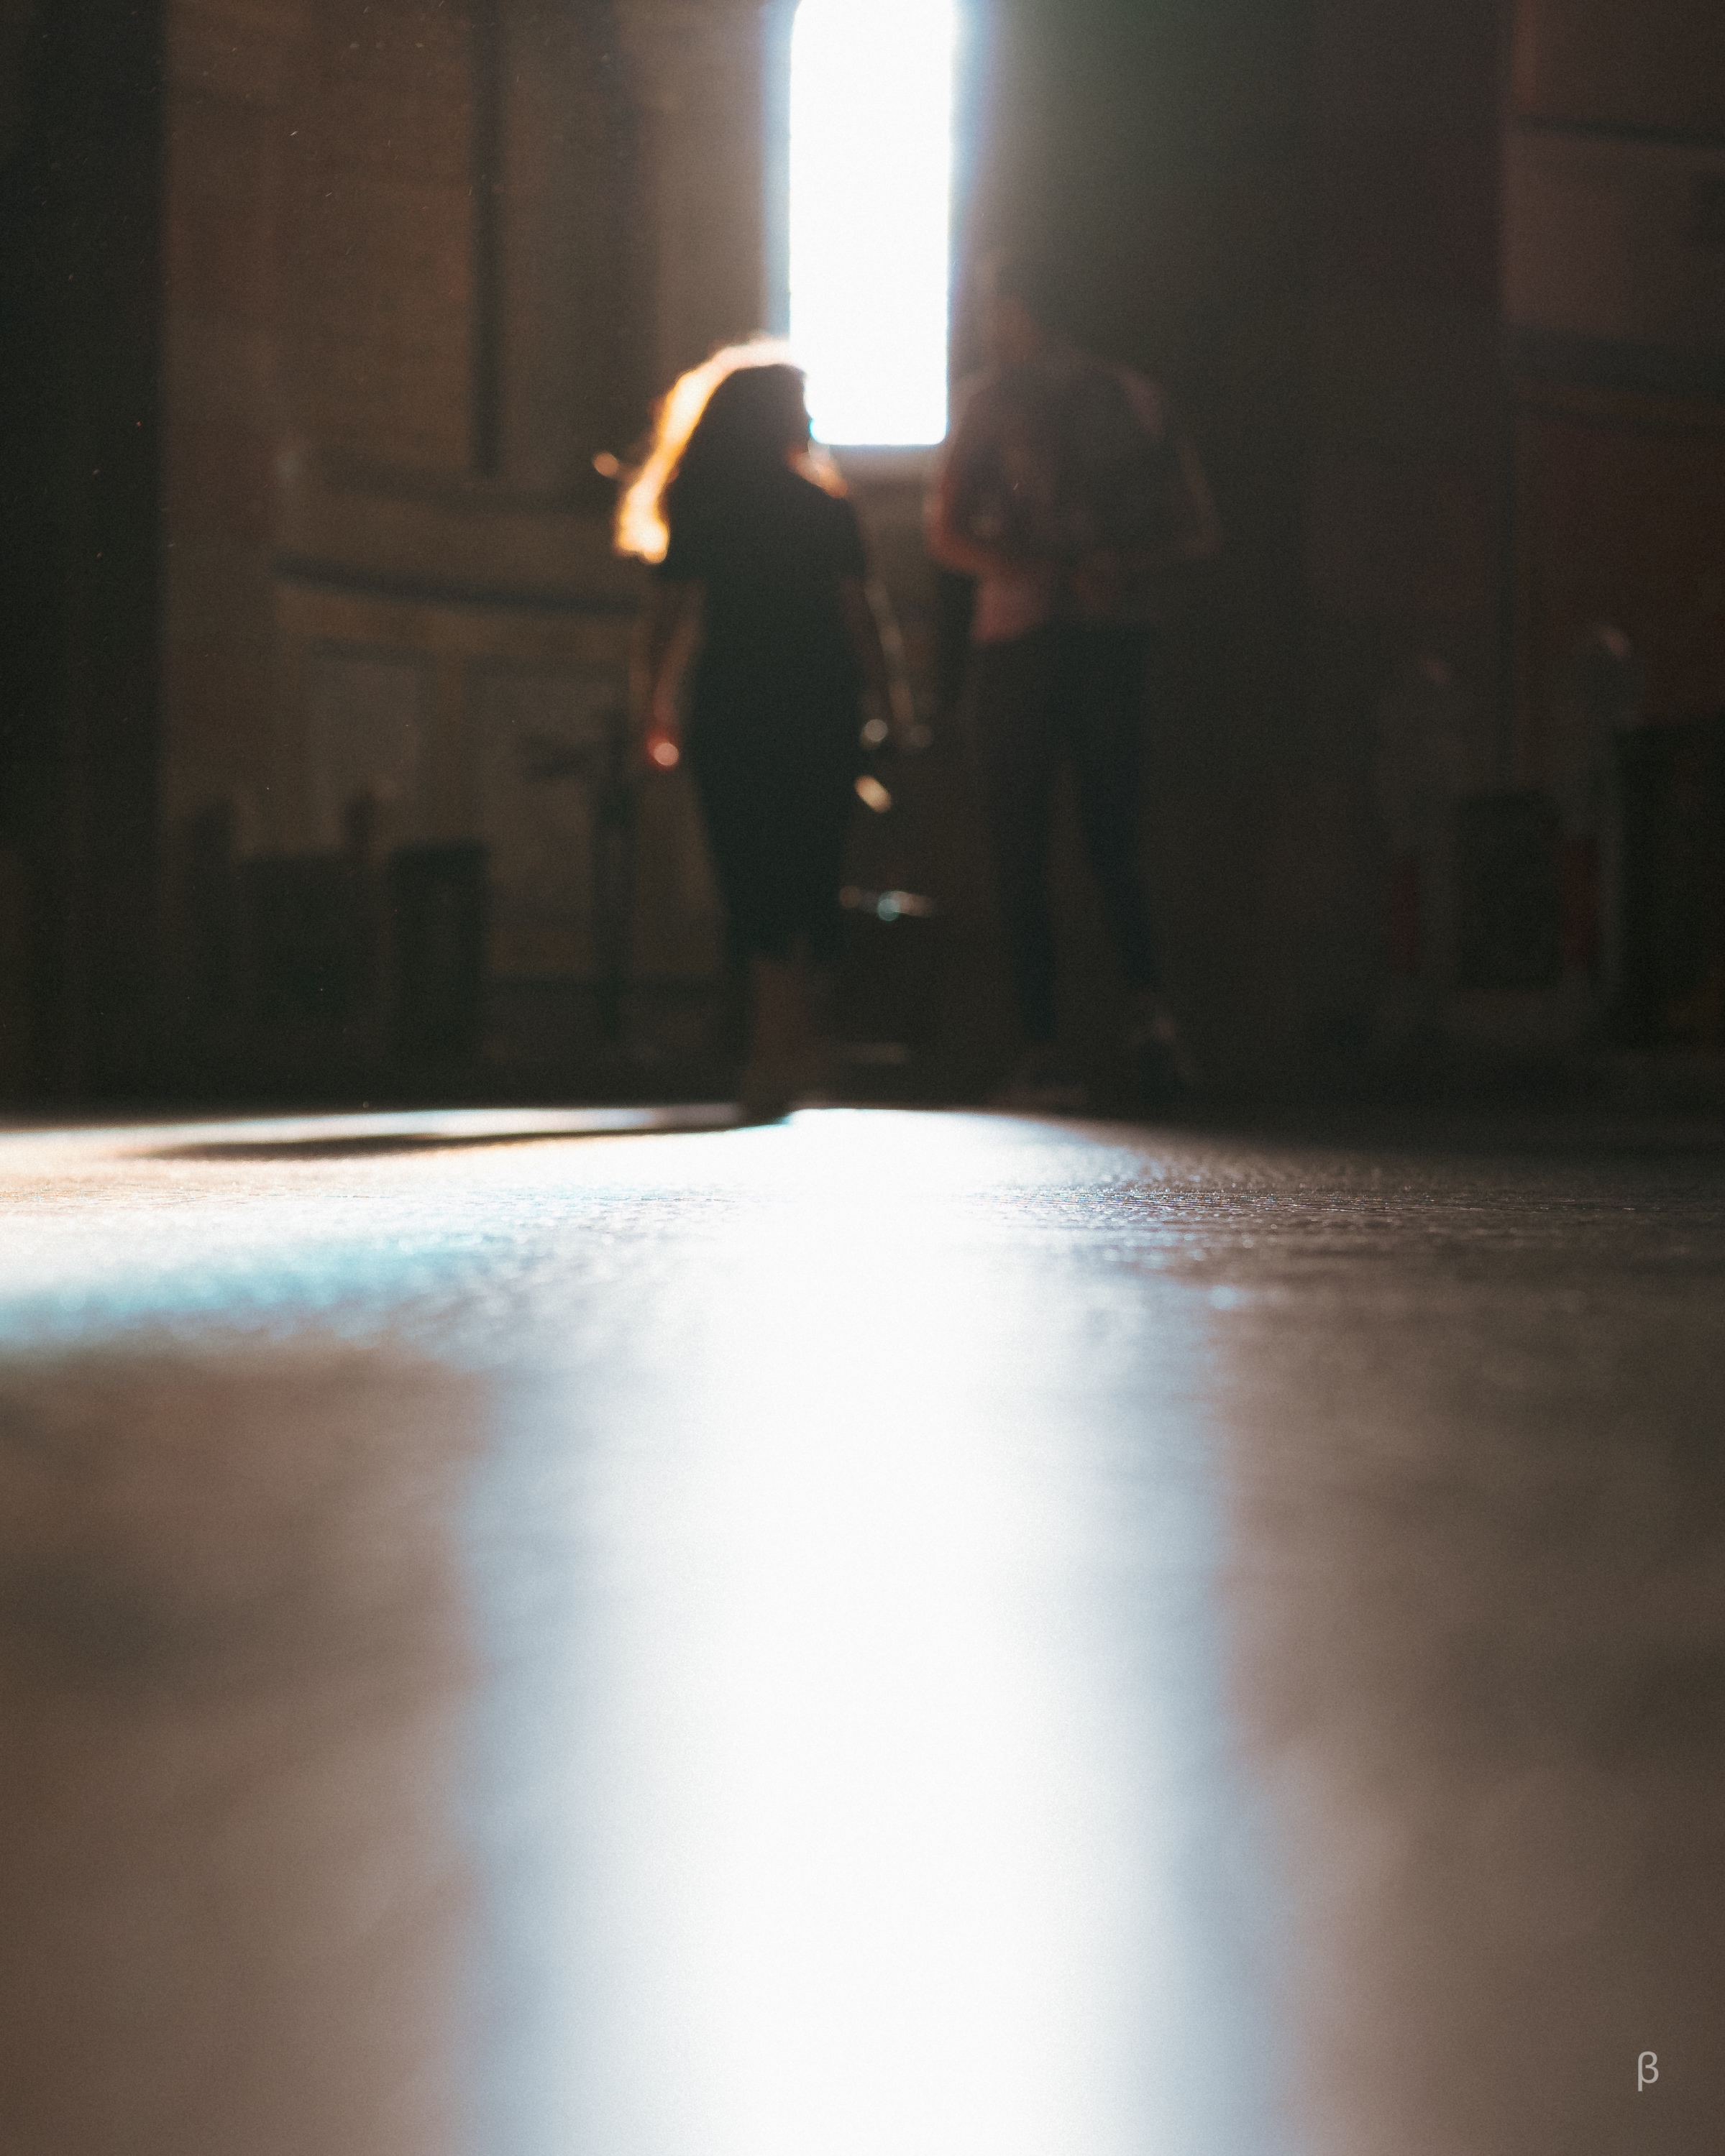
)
(885, 1636)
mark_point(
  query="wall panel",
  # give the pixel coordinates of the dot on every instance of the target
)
(378, 246)
(1652, 64)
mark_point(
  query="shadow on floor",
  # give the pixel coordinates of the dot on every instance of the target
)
(441, 1135)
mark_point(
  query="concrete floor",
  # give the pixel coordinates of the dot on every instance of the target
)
(885, 1635)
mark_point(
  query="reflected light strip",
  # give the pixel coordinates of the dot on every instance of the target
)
(886, 1860)
(870, 166)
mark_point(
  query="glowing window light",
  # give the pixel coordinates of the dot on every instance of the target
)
(871, 189)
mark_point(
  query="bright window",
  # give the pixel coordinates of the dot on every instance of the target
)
(870, 209)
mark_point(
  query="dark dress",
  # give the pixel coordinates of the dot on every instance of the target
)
(775, 719)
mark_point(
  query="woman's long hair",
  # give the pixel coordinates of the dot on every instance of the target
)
(719, 425)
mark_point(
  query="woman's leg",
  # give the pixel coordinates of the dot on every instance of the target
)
(782, 1018)
(776, 824)
(1103, 709)
(735, 847)
(1018, 751)
(810, 802)
(786, 1047)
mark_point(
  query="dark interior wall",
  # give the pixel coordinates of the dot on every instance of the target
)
(1406, 500)
(1614, 300)
(80, 214)
(1162, 151)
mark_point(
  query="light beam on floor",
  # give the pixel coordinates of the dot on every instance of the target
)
(895, 1895)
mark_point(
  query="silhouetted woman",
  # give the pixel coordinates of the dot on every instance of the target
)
(760, 569)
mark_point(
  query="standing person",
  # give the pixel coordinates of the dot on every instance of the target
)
(760, 568)
(1067, 490)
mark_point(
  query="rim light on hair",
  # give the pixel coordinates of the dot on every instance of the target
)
(640, 528)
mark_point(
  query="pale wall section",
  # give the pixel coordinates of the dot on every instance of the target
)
(425, 261)
(1615, 293)
(1614, 287)
(229, 72)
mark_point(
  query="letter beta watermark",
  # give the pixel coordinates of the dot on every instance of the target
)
(1646, 2070)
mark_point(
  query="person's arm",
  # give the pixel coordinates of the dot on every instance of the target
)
(1204, 540)
(879, 655)
(953, 547)
(950, 543)
(668, 633)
